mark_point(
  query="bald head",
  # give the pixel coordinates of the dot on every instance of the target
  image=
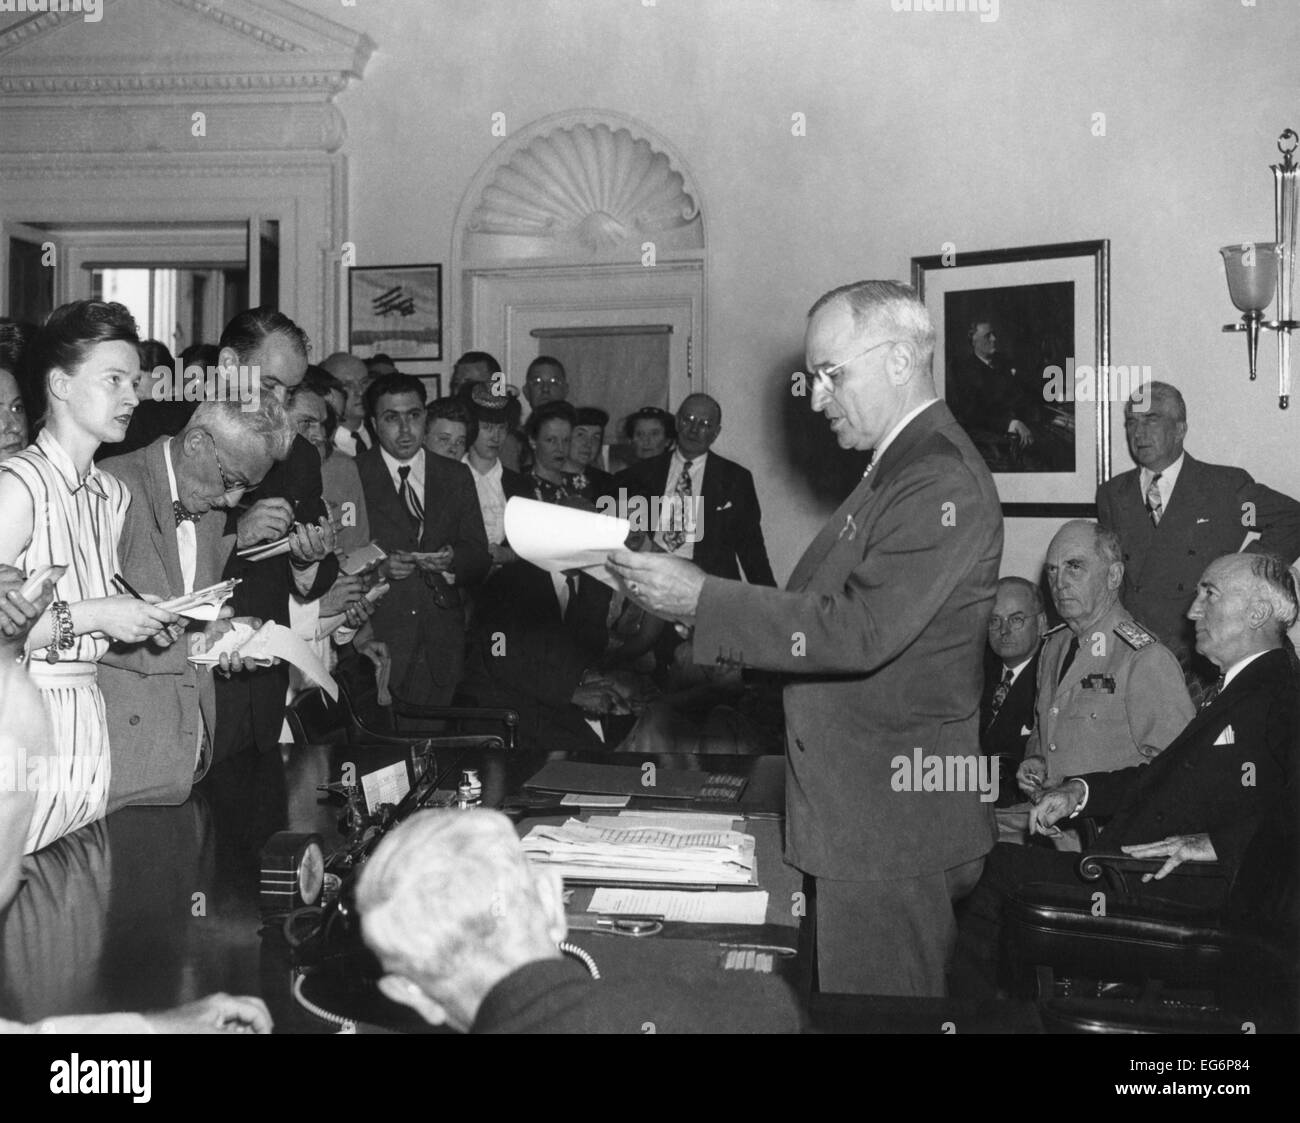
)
(355, 376)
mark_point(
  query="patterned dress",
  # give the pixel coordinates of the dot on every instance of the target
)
(76, 523)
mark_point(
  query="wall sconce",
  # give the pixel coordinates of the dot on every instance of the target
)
(1259, 270)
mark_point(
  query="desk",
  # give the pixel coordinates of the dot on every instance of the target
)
(157, 906)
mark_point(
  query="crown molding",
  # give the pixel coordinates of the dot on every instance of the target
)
(273, 89)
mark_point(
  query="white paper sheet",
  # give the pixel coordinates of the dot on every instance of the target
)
(202, 604)
(271, 641)
(558, 538)
(676, 820)
(671, 904)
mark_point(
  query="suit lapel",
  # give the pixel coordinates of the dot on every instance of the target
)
(387, 503)
(155, 466)
(853, 509)
(1245, 680)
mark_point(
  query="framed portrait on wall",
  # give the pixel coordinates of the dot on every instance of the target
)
(1022, 356)
(395, 310)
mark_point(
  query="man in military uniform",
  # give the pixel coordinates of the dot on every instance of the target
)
(1110, 695)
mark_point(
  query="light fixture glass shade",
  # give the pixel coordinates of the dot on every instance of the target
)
(1252, 274)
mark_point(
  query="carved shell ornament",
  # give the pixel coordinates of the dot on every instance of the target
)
(588, 185)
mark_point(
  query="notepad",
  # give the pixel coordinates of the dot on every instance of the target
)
(683, 907)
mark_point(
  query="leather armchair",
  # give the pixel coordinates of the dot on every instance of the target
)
(1100, 957)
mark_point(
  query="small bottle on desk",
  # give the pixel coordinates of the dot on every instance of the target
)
(470, 792)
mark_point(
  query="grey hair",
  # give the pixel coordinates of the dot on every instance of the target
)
(1034, 592)
(1275, 583)
(1104, 540)
(268, 424)
(1153, 390)
(451, 894)
(890, 307)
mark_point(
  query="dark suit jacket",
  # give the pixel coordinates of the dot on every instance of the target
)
(251, 705)
(884, 626)
(1002, 734)
(526, 655)
(1196, 786)
(985, 400)
(422, 619)
(1212, 509)
(732, 532)
(155, 698)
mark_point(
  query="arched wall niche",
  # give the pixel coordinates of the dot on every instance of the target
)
(582, 217)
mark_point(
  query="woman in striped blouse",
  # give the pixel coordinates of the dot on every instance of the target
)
(59, 509)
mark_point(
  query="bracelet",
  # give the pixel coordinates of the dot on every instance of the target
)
(63, 637)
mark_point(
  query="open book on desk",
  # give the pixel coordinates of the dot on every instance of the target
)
(644, 855)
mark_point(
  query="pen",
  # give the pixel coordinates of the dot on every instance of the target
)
(122, 583)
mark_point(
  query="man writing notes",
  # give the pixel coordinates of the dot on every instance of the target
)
(882, 631)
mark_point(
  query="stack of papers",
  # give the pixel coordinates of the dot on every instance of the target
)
(644, 854)
(202, 604)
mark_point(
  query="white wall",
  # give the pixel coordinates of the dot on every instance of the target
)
(922, 129)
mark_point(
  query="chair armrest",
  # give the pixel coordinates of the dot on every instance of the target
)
(1115, 865)
(507, 717)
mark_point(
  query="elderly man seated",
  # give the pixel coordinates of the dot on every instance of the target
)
(466, 931)
(1231, 769)
(1110, 695)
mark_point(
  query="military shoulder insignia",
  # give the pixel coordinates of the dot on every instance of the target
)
(1133, 634)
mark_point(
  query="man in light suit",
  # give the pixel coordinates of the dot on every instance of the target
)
(1229, 772)
(882, 628)
(161, 708)
(730, 534)
(1174, 514)
(424, 512)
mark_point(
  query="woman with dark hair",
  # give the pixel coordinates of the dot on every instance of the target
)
(650, 431)
(14, 432)
(549, 430)
(60, 510)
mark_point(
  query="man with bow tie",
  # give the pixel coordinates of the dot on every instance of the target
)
(161, 708)
(1229, 772)
(881, 630)
(424, 513)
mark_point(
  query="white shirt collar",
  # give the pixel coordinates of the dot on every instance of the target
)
(696, 461)
(416, 462)
(898, 428)
(1015, 671)
(61, 462)
(1168, 477)
(1239, 666)
(493, 473)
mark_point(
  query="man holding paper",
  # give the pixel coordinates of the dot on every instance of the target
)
(882, 630)
(424, 513)
(161, 708)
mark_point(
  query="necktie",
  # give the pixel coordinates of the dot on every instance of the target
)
(1070, 653)
(1207, 699)
(182, 515)
(676, 538)
(1154, 506)
(1000, 694)
(571, 579)
(356, 440)
(413, 505)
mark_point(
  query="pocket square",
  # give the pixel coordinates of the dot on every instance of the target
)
(724, 507)
(1227, 737)
(1025, 731)
(1199, 521)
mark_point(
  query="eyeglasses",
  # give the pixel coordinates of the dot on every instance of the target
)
(705, 423)
(827, 374)
(226, 482)
(1015, 622)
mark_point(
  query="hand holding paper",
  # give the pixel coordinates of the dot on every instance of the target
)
(261, 647)
(558, 538)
